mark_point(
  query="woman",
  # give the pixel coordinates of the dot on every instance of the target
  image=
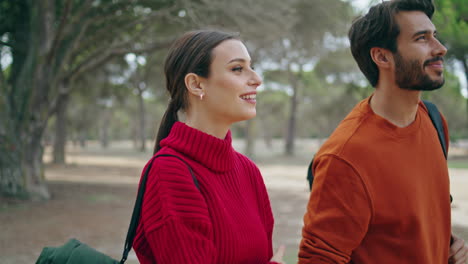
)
(228, 218)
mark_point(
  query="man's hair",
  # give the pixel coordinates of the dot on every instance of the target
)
(378, 28)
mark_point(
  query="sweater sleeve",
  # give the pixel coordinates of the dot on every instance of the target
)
(268, 219)
(263, 201)
(175, 216)
(338, 213)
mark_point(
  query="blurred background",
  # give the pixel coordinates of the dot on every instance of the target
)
(82, 93)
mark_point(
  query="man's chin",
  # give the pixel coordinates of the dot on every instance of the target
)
(426, 86)
(434, 85)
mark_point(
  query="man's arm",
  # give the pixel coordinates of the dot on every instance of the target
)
(338, 213)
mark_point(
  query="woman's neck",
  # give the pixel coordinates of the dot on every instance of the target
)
(214, 128)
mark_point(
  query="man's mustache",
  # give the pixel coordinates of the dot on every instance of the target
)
(435, 59)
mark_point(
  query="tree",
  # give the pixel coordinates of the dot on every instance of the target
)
(314, 28)
(52, 43)
(270, 108)
(451, 20)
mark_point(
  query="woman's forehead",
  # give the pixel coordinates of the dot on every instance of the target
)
(230, 50)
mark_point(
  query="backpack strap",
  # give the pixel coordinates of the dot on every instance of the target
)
(310, 174)
(139, 201)
(436, 119)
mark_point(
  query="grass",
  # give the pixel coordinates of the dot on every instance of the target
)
(290, 257)
(458, 164)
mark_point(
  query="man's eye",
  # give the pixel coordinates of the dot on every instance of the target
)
(421, 38)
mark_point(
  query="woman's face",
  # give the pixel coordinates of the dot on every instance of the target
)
(230, 89)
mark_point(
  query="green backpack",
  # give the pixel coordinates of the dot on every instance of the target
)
(75, 252)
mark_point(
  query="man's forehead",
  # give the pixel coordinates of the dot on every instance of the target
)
(411, 22)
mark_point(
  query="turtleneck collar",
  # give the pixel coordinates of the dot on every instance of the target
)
(212, 152)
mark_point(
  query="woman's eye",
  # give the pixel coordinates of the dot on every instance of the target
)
(239, 69)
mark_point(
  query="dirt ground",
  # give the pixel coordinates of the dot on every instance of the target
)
(93, 195)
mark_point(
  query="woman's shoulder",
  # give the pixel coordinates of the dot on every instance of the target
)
(245, 161)
(242, 157)
(171, 191)
(169, 168)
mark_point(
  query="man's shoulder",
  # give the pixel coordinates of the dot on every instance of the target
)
(348, 133)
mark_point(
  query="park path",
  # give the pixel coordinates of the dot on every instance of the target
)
(92, 198)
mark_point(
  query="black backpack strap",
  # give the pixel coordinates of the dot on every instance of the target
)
(138, 203)
(436, 119)
(310, 175)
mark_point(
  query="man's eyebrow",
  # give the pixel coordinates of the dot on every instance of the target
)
(423, 32)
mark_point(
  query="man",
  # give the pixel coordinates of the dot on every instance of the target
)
(381, 187)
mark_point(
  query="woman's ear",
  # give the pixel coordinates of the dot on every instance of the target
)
(382, 57)
(193, 84)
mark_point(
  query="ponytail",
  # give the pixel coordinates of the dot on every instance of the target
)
(168, 120)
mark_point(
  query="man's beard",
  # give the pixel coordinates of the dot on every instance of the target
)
(409, 74)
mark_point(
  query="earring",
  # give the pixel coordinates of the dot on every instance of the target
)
(201, 96)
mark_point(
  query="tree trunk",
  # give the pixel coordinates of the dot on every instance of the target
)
(82, 138)
(134, 136)
(21, 166)
(61, 130)
(267, 137)
(11, 173)
(104, 135)
(250, 138)
(142, 125)
(291, 128)
(34, 168)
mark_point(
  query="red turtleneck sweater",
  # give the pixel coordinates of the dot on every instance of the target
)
(227, 220)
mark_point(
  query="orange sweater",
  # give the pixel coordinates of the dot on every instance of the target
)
(380, 194)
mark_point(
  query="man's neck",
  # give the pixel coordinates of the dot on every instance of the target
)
(398, 106)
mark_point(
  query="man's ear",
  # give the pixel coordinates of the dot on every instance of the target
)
(382, 57)
(193, 84)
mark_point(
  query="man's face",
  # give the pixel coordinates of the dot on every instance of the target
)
(419, 56)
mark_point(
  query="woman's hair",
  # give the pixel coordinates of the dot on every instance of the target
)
(191, 53)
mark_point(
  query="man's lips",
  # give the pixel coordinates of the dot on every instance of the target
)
(436, 65)
(437, 62)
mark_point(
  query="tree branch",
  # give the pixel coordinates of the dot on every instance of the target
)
(69, 54)
(84, 9)
(6, 44)
(106, 29)
(95, 60)
(59, 36)
(3, 82)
